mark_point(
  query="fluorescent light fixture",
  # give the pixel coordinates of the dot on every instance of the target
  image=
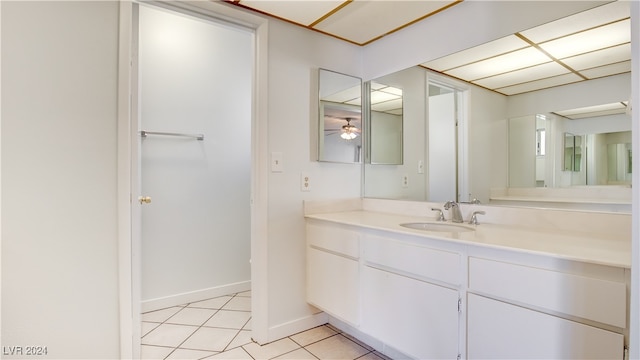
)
(590, 40)
(500, 64)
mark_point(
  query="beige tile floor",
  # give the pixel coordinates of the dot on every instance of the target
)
(220, 328)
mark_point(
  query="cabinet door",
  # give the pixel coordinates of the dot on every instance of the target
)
(332, 284)
(498, 330)
(415, 317)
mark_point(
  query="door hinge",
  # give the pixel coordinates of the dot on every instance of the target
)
(625, 353)
(459, 304)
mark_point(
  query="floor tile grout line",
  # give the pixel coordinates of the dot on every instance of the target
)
(312, 354)
(198, 327)
(188, 337)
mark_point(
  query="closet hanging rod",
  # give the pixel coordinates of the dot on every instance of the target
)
(144, 133)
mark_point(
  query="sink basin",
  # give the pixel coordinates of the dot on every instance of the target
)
(442, 227)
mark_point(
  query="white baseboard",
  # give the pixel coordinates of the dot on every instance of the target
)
(293, 327)
(367, 339)
(192, 296)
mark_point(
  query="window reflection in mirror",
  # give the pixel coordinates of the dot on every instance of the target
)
(340, 117)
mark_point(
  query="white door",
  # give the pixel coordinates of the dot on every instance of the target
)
(447, 143)
(442, 148)
(194, 78)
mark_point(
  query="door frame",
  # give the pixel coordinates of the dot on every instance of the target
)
(128, 178)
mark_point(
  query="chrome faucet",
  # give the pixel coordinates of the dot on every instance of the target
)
(456, 216)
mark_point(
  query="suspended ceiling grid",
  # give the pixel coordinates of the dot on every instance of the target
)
(587, 45)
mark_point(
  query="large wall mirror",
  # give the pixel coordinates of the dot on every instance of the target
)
(340, 117)
(517, 97)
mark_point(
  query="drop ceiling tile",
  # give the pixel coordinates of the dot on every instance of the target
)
(591, 40)
(500, 64)
(584, 20)
(600, 57)
(301, 12)
(387, 105)
(392, 90)
(611, 69)
(523, 75)
(345, 95)
(540, 84)
(380, 96)
(477, 53)
(362, 21)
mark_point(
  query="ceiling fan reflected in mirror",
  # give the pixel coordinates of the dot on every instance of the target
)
(347, 131)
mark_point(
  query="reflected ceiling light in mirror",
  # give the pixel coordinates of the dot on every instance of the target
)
(350, 96)
(386, 98)
(349, 132)
(592, 111)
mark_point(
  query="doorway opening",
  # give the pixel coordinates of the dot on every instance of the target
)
(192, 174)
(446, 142)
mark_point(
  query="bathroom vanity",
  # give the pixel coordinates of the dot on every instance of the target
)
(546, 288)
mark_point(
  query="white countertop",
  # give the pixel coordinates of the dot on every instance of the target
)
(613, 250)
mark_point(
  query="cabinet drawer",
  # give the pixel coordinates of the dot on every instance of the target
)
(412, 259)
(334, 238)
(589, 298)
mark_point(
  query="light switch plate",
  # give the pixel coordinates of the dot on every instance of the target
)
(277, 164)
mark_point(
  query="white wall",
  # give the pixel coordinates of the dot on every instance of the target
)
(59, 220)
(488, 142)
(295, 55)
(522, 158)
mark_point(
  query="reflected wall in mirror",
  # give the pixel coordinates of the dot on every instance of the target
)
(385, 124)
(594, 149)
(572, 152)
(340, 117)
(431, 106)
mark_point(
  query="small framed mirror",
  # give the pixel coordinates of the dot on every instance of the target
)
(340, 117)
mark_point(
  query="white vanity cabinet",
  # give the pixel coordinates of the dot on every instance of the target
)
(518, 312)
(410, 297)
(333, 272)
(428, 297)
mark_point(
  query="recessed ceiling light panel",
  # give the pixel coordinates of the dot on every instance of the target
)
(590, 40)
(579, 22)
(501, 64)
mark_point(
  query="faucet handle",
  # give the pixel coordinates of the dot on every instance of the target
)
(474, 217)
(440, 215)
